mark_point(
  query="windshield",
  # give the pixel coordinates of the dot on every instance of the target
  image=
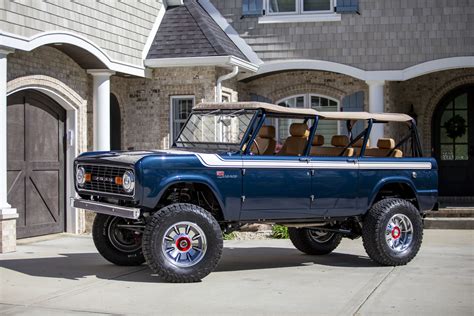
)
(215, 129)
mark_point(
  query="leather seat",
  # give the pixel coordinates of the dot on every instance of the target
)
(358, 145)
(265, 140)
(338, 141)
(384, 147)
(296, 143)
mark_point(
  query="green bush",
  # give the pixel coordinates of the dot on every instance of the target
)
(229, 236)
(280, 232)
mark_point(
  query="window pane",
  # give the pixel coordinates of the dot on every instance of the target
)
(447, 152)
(181, 110)
(461, 152)
(461, 101)
(447, 115)
(296, 102)
(315, 102)
(276, 6)
(316, 5)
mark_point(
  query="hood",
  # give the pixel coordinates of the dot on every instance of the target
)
(127, 157)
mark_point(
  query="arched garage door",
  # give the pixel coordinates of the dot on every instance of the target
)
(36, 128)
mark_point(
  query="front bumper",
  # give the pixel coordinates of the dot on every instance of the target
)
(106, 208)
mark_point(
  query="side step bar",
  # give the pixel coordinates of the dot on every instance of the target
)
(105, 208)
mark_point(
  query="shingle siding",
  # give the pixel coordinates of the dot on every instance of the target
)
(388, 35)
(189, 31)
(120, 28)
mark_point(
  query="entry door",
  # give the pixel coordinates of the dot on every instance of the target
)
(276, 187)
(36, 163)
(453, 139)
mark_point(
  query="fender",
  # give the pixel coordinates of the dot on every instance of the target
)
(388, 180)
(165, 183)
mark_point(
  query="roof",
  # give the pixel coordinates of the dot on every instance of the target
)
(272, 108)
(189, 31)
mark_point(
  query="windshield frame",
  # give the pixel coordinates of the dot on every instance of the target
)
(224, 146)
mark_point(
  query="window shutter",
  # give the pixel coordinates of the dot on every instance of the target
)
(353, 103)
(252, 8)
(347, 6)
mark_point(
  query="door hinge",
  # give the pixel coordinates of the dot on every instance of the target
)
(242, 198)
(312, 172)
(243, 172)
(311, 197)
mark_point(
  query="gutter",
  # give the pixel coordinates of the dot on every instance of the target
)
(221, 61)
(228, 76)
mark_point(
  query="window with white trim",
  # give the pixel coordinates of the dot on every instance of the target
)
(298, 6)
(181, 107)
(318, 102)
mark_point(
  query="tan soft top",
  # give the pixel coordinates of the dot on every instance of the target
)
(272, 108)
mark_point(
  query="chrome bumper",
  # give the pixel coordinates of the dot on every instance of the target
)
(105, 208)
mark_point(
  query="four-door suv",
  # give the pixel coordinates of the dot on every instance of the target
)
(239, 163)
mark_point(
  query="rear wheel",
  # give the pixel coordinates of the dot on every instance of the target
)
(117, 244)
(182, 243)
(392, 232)
(313, 241)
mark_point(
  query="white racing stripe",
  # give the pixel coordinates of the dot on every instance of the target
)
(215, 161)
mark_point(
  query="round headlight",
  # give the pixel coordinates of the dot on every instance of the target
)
(128, 181)
(80, 176)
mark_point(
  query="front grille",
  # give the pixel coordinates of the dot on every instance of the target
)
(103, 179)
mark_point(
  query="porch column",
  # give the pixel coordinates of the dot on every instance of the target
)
(101, 108)
(8, 215)
(376, 105)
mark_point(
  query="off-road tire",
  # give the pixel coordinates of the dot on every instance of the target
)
(100, 235)
(153, 239)
(304, 242)
(374, 226)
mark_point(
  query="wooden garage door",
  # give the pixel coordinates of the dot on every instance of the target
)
(36, 127)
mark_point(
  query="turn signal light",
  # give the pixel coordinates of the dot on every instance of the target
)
(118, 180)
(88, 177)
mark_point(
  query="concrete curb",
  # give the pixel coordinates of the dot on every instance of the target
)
(449, 223)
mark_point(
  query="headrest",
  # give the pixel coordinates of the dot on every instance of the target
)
(360, 142)
(386, 143)
(267, 131)
(318, 140)
(340, 140)
(299, 130)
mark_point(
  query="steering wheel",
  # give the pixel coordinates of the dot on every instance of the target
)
(256, 145)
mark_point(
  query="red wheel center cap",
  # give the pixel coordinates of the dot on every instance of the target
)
(183, 243)
(396, 232)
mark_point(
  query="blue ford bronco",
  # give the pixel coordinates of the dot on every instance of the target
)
(246, 162)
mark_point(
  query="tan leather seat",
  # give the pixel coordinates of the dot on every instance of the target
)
(296, 143)
(384, 147)
(265, 141)
(358, 145)
(338, 141)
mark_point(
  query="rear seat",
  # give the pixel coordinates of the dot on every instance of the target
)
(338, 141)
(384, 146)
(358, 145)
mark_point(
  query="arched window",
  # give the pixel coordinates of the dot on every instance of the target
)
(314, 101)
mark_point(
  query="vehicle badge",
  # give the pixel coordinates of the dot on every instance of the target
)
(220, 174)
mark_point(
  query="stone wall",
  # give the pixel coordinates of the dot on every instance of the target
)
(387, 34)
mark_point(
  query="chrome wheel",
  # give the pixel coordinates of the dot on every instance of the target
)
(123, 239)
(184, 244)
(320, 236)
(399, 233)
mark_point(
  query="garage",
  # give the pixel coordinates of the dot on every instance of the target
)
(35, 164)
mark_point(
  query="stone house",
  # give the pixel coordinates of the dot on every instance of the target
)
(100, 75)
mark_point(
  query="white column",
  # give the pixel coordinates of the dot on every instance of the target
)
(101, 108)
(376, 105)
(5, 208)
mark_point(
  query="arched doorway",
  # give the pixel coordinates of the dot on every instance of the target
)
(35, 163)
(453, 142)
(115, 124)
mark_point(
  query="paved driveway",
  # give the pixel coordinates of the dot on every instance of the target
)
(65, 275)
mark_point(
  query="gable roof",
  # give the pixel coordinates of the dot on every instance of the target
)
(189, 31)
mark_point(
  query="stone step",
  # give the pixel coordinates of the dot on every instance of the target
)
(449, 223)
(455, 211)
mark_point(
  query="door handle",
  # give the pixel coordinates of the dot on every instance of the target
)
(353, 160)
(305, 159)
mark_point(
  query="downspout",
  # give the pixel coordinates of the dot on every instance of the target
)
(228, 76)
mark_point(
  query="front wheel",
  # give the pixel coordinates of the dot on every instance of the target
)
(392, 232)
(313, 241)
(182, 243)
(116, 241)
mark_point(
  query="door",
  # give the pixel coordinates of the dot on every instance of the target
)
(276, 187)
(35, 163)
(453, 140)
(334, 186)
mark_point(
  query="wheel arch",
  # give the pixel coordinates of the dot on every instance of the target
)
(396, 185)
